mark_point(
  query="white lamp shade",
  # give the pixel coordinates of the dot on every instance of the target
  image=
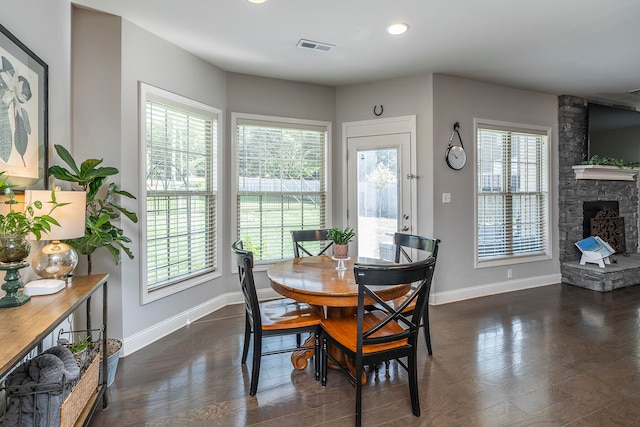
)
(70, 217)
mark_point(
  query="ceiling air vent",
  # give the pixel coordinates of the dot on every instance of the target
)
(635, 92)
(308, 44)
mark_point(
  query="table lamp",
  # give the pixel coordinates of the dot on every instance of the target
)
(57, 259)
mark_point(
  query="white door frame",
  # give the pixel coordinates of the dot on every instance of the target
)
(392, 125)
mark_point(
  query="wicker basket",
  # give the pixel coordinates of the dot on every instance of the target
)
(77, 400)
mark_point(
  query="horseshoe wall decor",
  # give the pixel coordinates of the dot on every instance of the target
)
(375, 108)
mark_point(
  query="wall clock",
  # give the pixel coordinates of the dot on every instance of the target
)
(456, 157)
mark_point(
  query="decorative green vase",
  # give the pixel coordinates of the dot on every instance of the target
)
(13, 248)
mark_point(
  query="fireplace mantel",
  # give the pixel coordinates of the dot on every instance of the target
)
(610, 173)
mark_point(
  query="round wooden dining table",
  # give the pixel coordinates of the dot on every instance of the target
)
(316, 281)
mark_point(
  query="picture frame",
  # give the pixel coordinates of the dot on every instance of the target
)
(24, 89)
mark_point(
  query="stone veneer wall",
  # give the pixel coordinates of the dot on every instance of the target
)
(572, 147)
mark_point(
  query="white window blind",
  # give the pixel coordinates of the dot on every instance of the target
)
(281, 183)
(512, 206)
(181, 190)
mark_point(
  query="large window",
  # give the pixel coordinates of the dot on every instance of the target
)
(512, 193)
(180, 151)
(281, 181)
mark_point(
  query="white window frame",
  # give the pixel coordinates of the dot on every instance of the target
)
(513, 259)
(148, 92)
(235, 118)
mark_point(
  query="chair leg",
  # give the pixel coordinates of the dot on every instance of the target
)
(427, 332)
(318, 355)
(247, 338)
(413, 383)
(358, 392)
(324, 361)
(255, 370)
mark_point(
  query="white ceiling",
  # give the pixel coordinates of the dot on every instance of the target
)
(588, 48)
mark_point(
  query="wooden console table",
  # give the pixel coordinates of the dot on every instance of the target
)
(23, 328)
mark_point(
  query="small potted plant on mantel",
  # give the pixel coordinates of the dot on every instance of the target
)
(341, 238)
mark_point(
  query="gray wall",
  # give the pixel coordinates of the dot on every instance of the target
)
(106, 126)
(399, 97)
(460, 100)
(438, 102)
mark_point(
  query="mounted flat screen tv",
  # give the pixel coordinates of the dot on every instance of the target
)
(614, 132)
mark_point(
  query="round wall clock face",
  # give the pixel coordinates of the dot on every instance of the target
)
(456, 157)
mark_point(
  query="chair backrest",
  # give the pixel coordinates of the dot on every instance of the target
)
(319, 236)
(410, 241)
(244, 261)
(370, 276)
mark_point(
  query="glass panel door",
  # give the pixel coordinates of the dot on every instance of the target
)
(379, 194)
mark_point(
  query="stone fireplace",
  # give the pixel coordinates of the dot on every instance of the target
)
(572, 195)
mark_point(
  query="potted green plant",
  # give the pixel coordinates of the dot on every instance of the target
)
(341, 238)
(102, 207)
(100, 230)
(17, 224)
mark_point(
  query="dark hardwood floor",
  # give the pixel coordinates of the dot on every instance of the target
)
(551, 356)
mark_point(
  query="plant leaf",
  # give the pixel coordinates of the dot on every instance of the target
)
(102, 221)
(66, 157)
(115, 252)
(88, 167)
(63, 174)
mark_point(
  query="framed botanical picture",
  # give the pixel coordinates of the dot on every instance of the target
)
(23, 114)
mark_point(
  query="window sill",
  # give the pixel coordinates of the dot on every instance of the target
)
(610, 173)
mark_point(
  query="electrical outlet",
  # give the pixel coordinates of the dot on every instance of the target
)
(446, 197)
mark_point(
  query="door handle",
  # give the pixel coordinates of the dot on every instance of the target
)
(405, 228)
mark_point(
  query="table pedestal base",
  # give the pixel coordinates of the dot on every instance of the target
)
(300, 358)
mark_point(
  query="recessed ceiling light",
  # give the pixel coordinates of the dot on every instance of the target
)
(397, 29)
(257, 1)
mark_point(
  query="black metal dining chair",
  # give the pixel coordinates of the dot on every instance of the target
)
(320, 239)
(277, 317)
(429, 247)
(375, 336)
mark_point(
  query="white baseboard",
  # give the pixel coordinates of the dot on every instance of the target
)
(143, 338)
(445, 297)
